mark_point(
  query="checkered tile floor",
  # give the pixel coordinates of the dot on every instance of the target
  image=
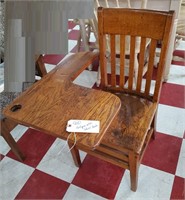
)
(49, 172)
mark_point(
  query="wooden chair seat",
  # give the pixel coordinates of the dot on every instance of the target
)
(128, 136)
(130, 128)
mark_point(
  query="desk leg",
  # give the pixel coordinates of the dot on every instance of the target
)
(170, 52)
(6, 127)
(75, 154)
(84, 37)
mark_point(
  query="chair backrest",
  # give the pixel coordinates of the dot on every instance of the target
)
(146, 24)
(140, 4)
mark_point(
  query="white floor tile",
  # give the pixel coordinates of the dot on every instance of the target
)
(177, 75)
(66, 56)
(118, 66)
(16, 133)
(152, 87)
(49, 67)
(71, 44)
(153, 184)
(77, 193)
(1, 87)
(86, 78)
(181, 46)
(181, 162)
(77, 27)
(13, 176)
(58, 161)
(170, 120)
(4, 148)
(92, 38)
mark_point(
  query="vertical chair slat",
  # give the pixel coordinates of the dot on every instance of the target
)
(141, 64)
(132, 61)
(103, 60)
(103, 64)
(153, 45)
(122, 61)
(113, 60)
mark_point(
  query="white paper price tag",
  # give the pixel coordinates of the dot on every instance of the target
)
(83, 126)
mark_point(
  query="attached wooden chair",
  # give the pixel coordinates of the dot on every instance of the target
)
(126, 139)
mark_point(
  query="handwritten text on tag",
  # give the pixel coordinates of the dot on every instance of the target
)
(83, 126)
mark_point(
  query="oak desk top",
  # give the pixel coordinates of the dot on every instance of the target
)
(52, 101)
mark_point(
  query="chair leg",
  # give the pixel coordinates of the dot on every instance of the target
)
(75, 154)
(98, 81)
(5, 132)
(153, 125)
(134, 168)
(79, 42)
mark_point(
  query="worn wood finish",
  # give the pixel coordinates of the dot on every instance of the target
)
(52, 101)
(126, 139)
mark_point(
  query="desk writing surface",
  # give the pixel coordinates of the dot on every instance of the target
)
(52, 101)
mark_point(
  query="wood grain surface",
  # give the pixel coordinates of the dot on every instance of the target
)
(52, 101)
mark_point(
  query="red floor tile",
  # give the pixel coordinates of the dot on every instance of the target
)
(75, 49)
(1, 157)
(154, 73)
(53, 59)
(181, 63)
(179, 53)
(173, 95)
(71, 24)
(163, 153)
(99, 177)
(43, 186)
(73, 35)
(34, 145)
(178, 190)
(95, 65)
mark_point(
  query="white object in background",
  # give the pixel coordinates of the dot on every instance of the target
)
(14, 57)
